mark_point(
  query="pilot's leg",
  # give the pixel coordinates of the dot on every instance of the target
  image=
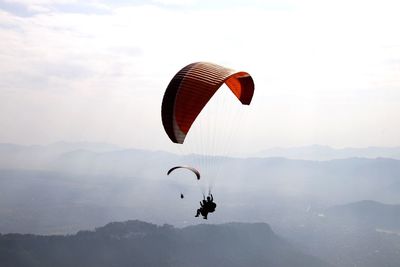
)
(198, 213)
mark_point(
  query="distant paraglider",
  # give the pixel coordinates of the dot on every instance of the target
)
(196, 172)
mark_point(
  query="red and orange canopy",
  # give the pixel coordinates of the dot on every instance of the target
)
(192, 87)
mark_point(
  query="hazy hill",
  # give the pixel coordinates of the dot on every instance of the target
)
(80, 189)
(45, 156)
(136, 243)
(317, 152)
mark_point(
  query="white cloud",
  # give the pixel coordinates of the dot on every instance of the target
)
(318, 69)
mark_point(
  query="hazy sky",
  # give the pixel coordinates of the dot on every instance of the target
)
(326, 72)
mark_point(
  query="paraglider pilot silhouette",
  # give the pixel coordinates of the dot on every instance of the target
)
(206, 206)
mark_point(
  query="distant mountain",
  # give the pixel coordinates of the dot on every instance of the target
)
(40, 156)
(136, 243)
(81, 189)
(317, 152)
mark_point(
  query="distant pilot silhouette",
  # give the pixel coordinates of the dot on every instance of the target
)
(206, 206)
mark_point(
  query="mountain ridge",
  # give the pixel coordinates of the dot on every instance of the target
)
(320, 152)
(139, 243)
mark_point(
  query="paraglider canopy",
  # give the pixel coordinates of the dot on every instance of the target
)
(190, 90)
(196, 172)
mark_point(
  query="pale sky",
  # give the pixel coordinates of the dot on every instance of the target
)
(325, 72)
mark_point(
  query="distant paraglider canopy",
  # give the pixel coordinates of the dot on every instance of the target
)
(196, 172)
(190, 90)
